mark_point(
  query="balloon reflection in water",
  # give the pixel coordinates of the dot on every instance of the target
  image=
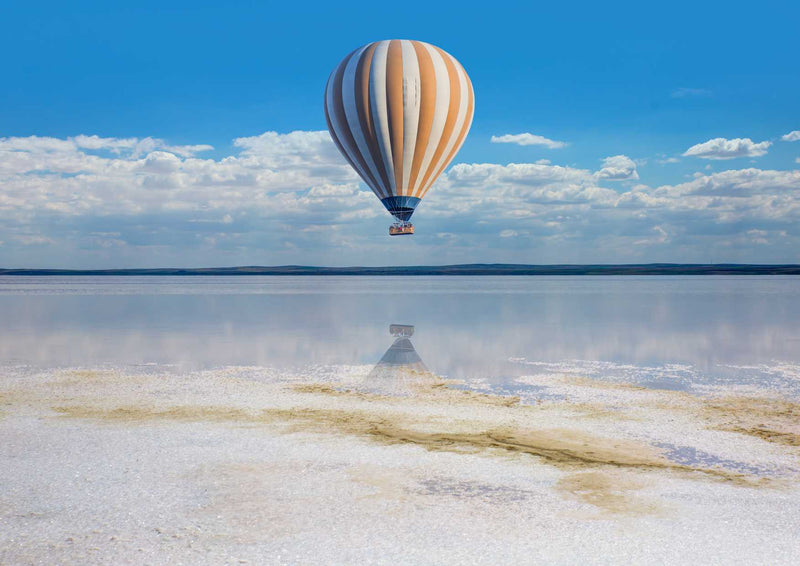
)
(400, 371)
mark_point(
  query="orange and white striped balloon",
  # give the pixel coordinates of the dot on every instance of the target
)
(399, 110)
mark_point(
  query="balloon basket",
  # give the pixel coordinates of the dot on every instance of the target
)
(401, 330)
(401, 229)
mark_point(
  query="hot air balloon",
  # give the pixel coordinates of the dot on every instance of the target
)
(399, 110)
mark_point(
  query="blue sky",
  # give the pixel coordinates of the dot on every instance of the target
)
(640, 84)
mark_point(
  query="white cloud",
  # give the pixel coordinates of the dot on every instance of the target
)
(618, 168)
(34, 240)
(528, 139)
(128, 147)
(758, 236)
(297, 148)
(188, 150)
(516, 190)
(554, 193)
(691, 93)
(567, 214)
(792, 136)
(721, 148)
(290, 198)
(661, 237)
(113, 144)
(281, 177)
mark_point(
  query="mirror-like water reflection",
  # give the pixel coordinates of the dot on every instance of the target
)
(401, 369)
(664, 332)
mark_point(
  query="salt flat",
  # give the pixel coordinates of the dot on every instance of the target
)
(532, 420)
(251, 464)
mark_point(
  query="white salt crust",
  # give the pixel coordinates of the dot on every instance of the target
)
(170, 491)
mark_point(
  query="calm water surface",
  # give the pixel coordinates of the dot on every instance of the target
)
(665, 332)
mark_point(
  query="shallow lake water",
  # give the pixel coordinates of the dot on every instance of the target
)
(661, 332)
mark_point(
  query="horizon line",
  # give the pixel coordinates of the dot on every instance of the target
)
(445, 269)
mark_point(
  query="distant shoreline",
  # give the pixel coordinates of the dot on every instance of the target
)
(452, 270)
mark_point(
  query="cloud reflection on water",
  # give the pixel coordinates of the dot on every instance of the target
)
(467, 328)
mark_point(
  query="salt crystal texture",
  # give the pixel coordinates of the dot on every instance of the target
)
(149, 465)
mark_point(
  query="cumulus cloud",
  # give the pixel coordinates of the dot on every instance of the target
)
(661, 237)
(792, 136)
(292, 149)
(618, 168)
(528, 139)
(160, 196)
(564, 210)
(291, 198)
(721, 148)
(128, 147)
(149, 175)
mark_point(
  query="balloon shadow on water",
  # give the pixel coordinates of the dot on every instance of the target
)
(401, 371)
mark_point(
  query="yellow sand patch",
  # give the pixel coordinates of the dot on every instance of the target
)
(437, 391)
(609, 493)
(774, 420)
(142, 413)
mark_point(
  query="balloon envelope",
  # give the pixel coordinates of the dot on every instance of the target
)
(399, 110)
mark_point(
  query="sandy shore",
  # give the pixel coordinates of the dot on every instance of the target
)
(242, 465)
